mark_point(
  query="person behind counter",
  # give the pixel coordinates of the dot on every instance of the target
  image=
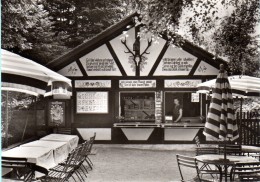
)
(177, 111)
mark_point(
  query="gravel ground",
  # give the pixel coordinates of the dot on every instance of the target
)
(121, 163)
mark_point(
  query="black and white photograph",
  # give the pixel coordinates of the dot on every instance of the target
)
(130, 90)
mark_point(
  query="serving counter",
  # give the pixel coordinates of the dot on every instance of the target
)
(137, 130)
(141, 131)
(181, 131)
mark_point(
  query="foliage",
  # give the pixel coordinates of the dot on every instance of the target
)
(19, 18)
(237, 39)
(203, 23)
(44, 29)
(15, 109)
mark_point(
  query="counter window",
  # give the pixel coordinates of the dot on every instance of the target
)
(137, 106)
(190, 106)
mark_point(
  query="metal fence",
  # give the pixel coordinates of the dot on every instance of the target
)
(249, 128)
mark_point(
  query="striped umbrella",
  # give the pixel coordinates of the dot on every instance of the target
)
(24, 75)
(221, 123)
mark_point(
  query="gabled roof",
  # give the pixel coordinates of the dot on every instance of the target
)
(91, 44)
(113, 32)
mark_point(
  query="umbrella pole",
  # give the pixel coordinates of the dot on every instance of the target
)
(240, 120)
(225, 158)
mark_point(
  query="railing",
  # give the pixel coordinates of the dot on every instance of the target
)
(249, 129)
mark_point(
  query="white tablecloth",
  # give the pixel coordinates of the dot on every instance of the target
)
(38, 155)
(73, 140)
(60, 149)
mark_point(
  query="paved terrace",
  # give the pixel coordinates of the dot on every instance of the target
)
(138, 163)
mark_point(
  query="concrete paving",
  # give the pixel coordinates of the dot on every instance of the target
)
(138, 163)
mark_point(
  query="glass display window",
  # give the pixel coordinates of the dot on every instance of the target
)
(137, 106)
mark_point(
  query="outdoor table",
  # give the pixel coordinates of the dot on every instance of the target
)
(219, 162)
(250, 149)
(71, 139)
(37, 155)
(60, 149)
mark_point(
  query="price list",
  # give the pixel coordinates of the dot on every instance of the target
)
(92, 102)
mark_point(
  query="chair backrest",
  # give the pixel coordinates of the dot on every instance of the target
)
(64, 131)
(70, 161)
(186, 161)
(10, 162)
(91, 142)
(247, 171)
(206, 150)
(231, 149)
(21, 169)
(197, 141)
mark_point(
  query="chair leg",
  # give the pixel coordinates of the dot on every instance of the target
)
(85, 168)
(83, 171)
(89, 164)
(89, 160)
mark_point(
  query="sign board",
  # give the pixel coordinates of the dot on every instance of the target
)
(56, 116)
(175, 62)
(92, 102)
(92, 83)
(195, 97)
(181, 83)
(137, 83)
(100, 62)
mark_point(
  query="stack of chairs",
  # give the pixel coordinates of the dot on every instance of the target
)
(73, 167)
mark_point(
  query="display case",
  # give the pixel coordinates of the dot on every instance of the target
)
(137, 107)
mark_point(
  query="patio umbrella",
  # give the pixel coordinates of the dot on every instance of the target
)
(24, 75)
(221, 123)
(242, 86)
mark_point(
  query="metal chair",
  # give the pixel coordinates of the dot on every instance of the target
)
(21, 170)
(231, 149)
(66, 131)
(204, 150)
(191, 162)
(249, 171)
(88, 150)
(64, 172)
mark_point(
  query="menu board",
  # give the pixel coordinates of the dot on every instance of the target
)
(92, 102)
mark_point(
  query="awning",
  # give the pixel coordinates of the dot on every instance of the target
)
(24, 75)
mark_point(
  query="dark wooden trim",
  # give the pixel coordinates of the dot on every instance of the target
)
(195, 66)
(81, 67)
(118, 63)
(159, 58)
